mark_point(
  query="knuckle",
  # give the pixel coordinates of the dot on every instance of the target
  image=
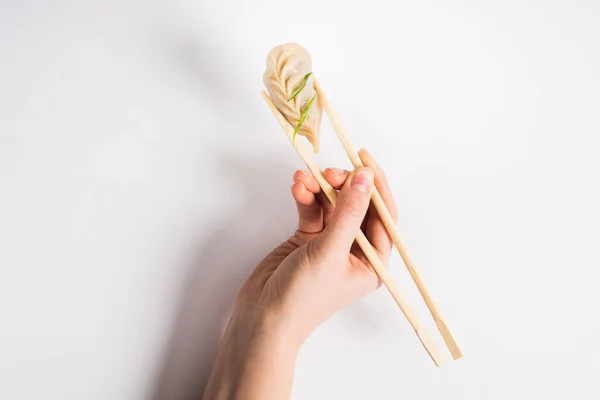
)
(354, 208)
(355, 203)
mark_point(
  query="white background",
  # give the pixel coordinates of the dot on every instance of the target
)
(138, 163)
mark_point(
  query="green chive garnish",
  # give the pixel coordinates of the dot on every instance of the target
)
(300, 87)
(303, 117)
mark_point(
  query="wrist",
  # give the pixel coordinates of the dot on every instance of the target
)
(254, 327)
(256, 356)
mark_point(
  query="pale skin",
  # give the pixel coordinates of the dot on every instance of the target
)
(316, 272)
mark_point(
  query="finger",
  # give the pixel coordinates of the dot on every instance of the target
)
(378, 235)
(375, 229)
(308, 180)
(310, 213)
(336, 177)
(352, 204)
(381, 182)
(327, 207)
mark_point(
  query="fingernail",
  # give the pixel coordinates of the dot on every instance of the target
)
(338, 171)
(363, 180)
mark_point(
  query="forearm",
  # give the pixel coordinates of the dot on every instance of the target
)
(255, 361)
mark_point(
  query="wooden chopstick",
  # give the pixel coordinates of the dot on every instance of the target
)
(361, 239)
(390, 225)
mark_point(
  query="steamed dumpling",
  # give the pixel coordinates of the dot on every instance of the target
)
(287, 65)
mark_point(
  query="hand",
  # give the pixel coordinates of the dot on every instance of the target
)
(320, 269)
(316, 272)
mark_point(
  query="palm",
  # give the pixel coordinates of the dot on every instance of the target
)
(305, 274)
(288, 274)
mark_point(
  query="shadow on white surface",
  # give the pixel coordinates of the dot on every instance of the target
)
(262, 218)
(216, 274)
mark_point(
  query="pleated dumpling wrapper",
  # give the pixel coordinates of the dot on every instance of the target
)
(287, 68)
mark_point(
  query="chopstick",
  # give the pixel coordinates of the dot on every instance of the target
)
(361, 239)
(390, 225)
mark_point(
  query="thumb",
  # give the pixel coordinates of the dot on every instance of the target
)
(352, 205)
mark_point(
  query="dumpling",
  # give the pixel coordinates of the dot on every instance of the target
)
(287, 68)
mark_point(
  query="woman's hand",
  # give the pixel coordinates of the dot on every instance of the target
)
(315, 273)
(320, 269)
